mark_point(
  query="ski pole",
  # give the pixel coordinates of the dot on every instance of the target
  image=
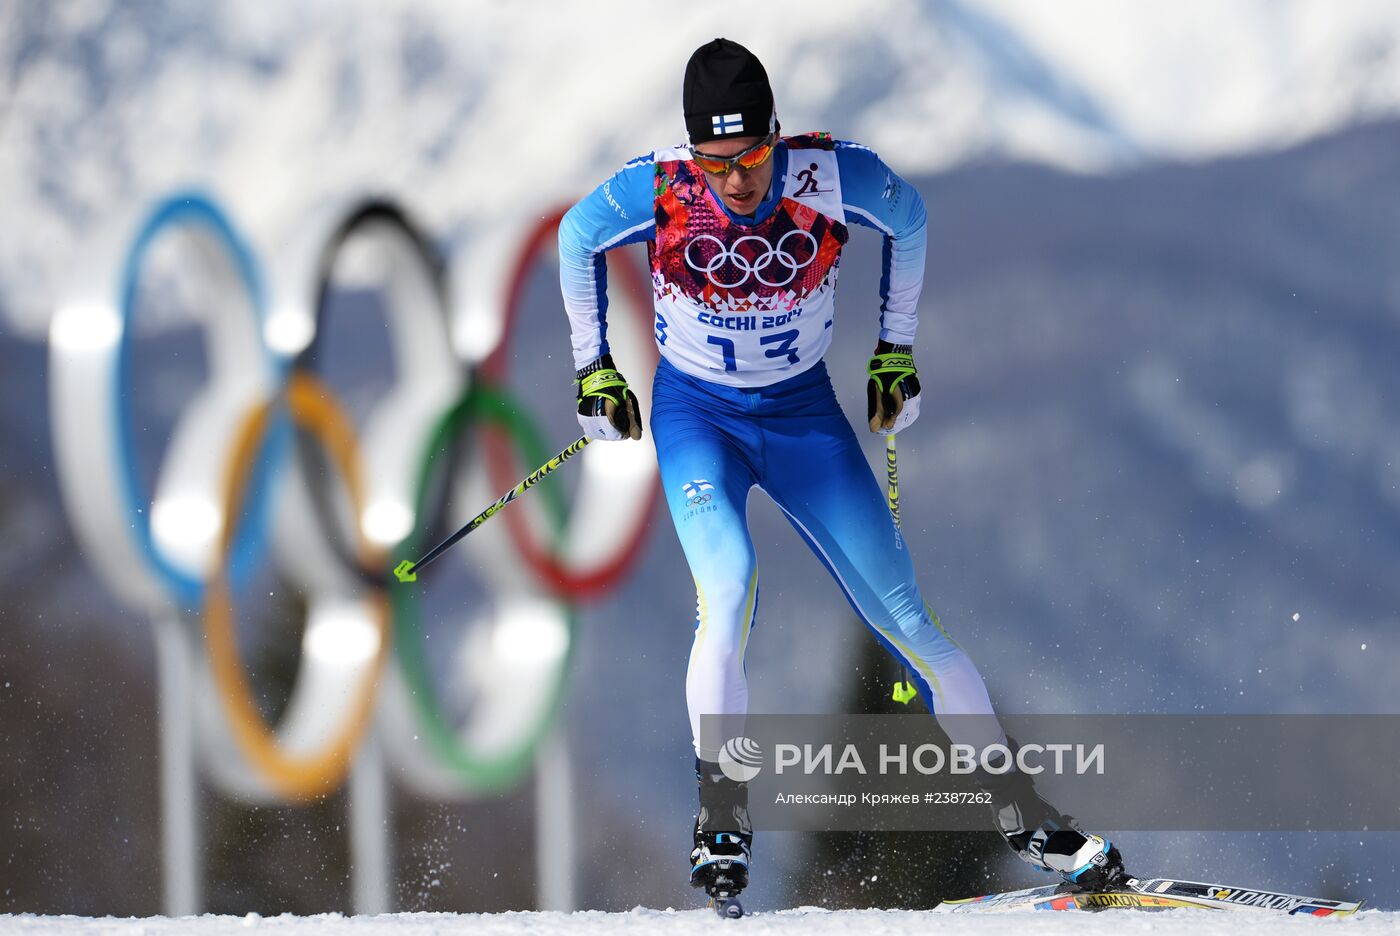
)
(904, 690)
(407, 571)
(892, 475)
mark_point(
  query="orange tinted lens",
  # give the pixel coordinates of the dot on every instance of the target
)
(757, 157)
(714, 166)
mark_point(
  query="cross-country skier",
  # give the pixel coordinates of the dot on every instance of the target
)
(744, 230)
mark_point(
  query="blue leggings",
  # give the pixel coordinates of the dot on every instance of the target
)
(791, 440)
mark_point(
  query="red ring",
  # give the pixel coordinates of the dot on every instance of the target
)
(502, 467)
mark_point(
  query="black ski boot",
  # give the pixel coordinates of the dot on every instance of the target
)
(1047, 839)
(723, 839)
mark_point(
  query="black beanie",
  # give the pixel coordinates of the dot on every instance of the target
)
(726, 93)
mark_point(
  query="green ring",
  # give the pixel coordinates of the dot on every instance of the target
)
(483, 774)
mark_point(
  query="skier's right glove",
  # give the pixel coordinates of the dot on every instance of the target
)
(606, 408)
(892, 393)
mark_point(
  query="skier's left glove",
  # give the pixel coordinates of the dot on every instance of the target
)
(606, 408)
(892, 394)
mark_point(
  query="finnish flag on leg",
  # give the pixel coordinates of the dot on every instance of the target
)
(696, 488)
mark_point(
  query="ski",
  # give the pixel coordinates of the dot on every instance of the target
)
(1150, 894)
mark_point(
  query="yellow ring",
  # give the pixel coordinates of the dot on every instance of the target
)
(294, 776)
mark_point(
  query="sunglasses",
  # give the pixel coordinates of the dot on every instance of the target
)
(751, 158)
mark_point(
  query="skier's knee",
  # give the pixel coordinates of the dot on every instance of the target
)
(924, 637)
(916, 628)
(727, 602)
(905, 605)
(722, 646)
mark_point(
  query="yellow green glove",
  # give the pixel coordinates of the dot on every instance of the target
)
(892, 393)
(606, 408)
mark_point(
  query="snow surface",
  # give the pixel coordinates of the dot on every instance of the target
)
(805, 920)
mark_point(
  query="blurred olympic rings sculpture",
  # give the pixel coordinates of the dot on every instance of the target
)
(238, 482)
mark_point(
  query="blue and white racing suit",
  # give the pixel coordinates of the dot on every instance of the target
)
(744, 308)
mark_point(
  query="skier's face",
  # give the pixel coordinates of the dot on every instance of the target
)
(740, 189)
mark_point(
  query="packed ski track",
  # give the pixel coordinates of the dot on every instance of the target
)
(808, 921)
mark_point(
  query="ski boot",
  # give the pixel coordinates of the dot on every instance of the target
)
(723, 840)
(1047, 839)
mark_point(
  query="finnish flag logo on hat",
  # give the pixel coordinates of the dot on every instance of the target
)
(727, 123)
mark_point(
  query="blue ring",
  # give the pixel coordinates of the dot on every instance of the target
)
(192, 208)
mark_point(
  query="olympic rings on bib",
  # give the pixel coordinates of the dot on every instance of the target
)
(235, 482)
(789, 264)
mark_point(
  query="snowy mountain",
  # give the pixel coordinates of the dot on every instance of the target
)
(479, 115)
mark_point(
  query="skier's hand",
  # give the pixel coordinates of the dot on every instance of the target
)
(892, 393)
(606, 408)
